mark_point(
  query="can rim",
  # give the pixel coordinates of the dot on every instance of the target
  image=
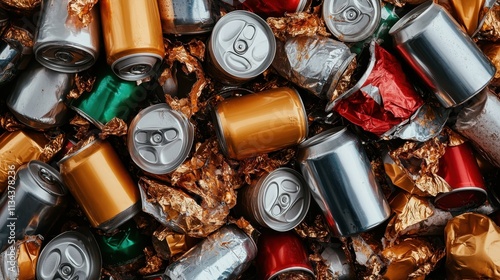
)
(470, 189)
(329, 134)
(146, 58)
(90, 53)
(36, 164)
(121, 218)
(413, 20)
(304, 112)
(290, 269)
(75, 153)
(87, 116)
(336, 77)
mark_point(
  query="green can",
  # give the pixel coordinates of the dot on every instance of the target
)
(110, 97)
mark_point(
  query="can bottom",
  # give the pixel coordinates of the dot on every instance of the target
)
(121, 218)
(461, 199)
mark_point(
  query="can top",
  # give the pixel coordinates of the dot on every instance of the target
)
(160, 139)
(65, 58)
(414, 22)
(70, 255)
(322, 143)
(243, 44)
(283, 199)
(352, 20)
(135, 67)
(46, 177)
(461, 199)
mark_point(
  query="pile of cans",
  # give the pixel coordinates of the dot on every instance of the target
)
(357, 134)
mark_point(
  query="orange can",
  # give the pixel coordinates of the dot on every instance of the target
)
(261, 122)
(101, 184)
(17, 148)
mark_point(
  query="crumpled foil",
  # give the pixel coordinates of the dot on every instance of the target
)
(78, 146)
(345, 82)
(321, 268)
(432, 226)
(246, 227)
(19, 34)
(472, 247)
(297, 24)
(83, 83)
(115, 127)
(256, 167)
(313, 63)
(318, 230)
(52, 148)
(10, 123)
(81, 9)
(294, 275)
(399, 177)
(18, 261)
(153, 262)
(421, 162)
(491, 27)
(411, 258)
(21, 6)
(492, 51)
(366, 250)
(468, 13)
(168, 243)
(401, 3)
(82, 126)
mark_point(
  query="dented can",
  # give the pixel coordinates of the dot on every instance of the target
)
(260, 123)
(266, 8)
(342, 182)
(241, 47)
(188, 16)
(132, 50)
(15, 52)
(32, 204)
(223, 255)
(278, 200)
(101, 184)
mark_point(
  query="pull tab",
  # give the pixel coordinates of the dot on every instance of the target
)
(288, 193)
(244, 39)
(159, 137)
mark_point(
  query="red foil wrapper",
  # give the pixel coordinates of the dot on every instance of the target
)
(382, 99)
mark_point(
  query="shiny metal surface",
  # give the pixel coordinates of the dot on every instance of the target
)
(38, 98)
(33, 203)
(71, 255)
(312, 63)
(159, 139)
(188, 16)
(10, 55)
(278, 200)
(337, 263)
(342, 182)
(62, 45)
(223, 255)
(241, 47)
(352, 20)
(446, 58)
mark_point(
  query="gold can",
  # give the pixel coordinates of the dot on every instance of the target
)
(101, 184)
(17, 148)
(260, 123)
(133, 37)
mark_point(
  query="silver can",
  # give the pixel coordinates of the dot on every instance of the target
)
(442, 54)
(278, 200)
(38, 98)
(479, 121)
(352, 20)
(15, 53)
(32, 204)
(241, 47)
(60, 44)
(320, 73)
(223, 255)
(70, 255)
(160, 139)
(342, 182)
(187, 16)
(337, 263)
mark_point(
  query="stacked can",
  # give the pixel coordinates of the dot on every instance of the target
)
(188, 16)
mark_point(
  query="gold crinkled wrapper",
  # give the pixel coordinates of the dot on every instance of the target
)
(81, 9)
(19, 34)
(491, 27)
(83, 83)
(83, 143)
(153, 262)
(452, 138)
(318, 230)
(168, 243)
(468, 13)
(256, 167)
(400, 178)
(52, 148)
(472, 247)
(492, 51)
(10, 123)
(115, 127)
(412, 258)
(82, 126)
(294, 275)
(421, 162)
(346, 80)
(321, 268)
(245, 226)
(20, 5)
(297, 24)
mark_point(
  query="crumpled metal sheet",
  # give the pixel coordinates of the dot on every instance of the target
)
(298, 24)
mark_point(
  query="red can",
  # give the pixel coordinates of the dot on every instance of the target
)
(279, 253)
(459, 169)
(266, 8)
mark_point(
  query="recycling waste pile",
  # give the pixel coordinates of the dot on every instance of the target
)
(249, 139)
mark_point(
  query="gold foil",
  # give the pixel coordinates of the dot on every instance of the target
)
(168, 243)
(401, 3)
(472, 247)
(399, 178)
(492, 51)
(491, 27)
(20, 5)
(412, 258)
(256, 167)
(197, 49)
(318, 230)
(297, 24)
(81, 9)
(294, 275)
(19, 34)
(367, 249)
(83, 83)
(52, 148)
(244, 225)
(115, 127)
(153, 262)
(452, 138)
(10, 123)
(466, 12)
(321, 269)
(82, 126)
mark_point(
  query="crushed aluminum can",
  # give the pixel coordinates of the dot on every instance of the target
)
(278, 200)
(38, 98)
(14, 55)
(266, 8)
(342, 182)
(241, 47)
(160, 139)
(442, 54)
(70, 255)
(337, 262)
(60, 44)
(352, 20)
(32, 204)
(132, 50)
(185, 17)
(223, 255)
(319, 74)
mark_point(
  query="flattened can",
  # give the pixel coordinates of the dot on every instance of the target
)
(260, 123)
(266, 8)
(32, 204)
(101, 184)
(133, 38)
(160, 139)
(62, 45)
(185, 17)
(278, 200)
(38, 98)
(18, 148)
(241, 47)
(15, 52)
(70, 255)
(352, 20)
(342, 182)
(223, 255)
(442, 54)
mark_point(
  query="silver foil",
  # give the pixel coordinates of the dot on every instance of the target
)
(480, 123)
(223, 255)
(312, 63)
